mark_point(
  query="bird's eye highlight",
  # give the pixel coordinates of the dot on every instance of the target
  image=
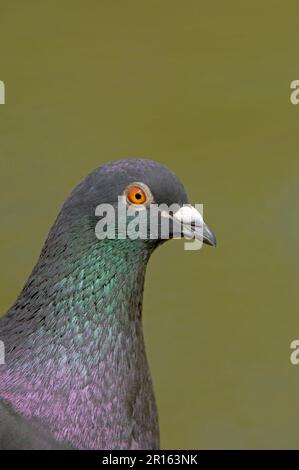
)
(136, 195)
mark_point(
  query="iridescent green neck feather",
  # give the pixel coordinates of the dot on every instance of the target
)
(80, 359)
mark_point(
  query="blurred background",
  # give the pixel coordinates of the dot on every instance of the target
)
(205, 89)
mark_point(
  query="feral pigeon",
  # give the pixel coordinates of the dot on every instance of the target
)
(76, 373)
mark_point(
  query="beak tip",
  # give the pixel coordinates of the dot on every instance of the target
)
(211, 243)
(208, 237)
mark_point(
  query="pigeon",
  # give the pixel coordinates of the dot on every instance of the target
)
(76, 374)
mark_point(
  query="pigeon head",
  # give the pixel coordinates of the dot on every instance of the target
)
(137, 199)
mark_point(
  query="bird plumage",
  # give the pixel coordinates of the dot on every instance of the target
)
(76, 371)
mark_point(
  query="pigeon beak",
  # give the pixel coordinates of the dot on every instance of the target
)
(193, 226)
(208, 236)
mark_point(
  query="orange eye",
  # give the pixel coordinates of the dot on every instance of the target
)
(136, 195)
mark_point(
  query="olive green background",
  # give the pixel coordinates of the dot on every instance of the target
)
(203, 87)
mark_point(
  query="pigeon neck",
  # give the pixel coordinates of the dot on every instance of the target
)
(76, 346)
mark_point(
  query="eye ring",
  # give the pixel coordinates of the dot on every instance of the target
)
(138, 194)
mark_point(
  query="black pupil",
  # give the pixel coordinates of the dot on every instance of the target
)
(138, 196)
